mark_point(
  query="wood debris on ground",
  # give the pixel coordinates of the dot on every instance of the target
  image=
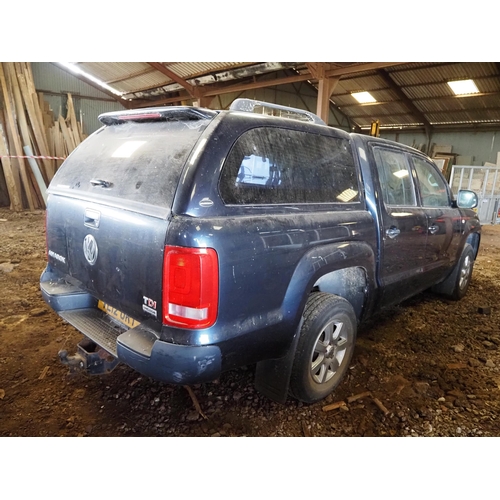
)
(194, 399)
(44, 373)
(26, 119)
(351, 399)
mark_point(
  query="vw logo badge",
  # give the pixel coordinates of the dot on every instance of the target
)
(90, 249)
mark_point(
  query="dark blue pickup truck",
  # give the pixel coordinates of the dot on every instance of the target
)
(185, 242)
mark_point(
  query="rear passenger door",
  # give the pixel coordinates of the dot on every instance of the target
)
(403, 227)
(444, 222)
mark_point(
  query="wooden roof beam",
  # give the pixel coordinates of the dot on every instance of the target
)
(192, 90)
(360, 68)
(214, 90)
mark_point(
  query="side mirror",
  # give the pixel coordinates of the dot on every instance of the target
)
(467, 199)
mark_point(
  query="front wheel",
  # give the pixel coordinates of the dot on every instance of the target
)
(456, 285)
(325, 347)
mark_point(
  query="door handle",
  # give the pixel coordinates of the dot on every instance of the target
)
(392, 232)
(433, 229)
(101, 182)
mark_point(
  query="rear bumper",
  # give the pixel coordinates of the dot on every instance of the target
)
(175, 364)
(139, 347)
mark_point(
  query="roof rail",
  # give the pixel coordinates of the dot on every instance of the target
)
(249, 105)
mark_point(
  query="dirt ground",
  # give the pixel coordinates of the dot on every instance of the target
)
(430, 367)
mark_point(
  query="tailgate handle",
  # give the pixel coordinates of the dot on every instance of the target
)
(101, 182)
(433, 229)
(91, 218)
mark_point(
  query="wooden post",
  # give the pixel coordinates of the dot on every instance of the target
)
(325, 88)
(203, 102)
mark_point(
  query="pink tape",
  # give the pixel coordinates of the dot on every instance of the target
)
(41, 157)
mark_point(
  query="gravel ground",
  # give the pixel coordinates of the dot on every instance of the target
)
(428, 367)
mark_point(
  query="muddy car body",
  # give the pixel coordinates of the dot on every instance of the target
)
(185, 242)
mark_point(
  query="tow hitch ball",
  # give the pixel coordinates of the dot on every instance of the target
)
(89, 357)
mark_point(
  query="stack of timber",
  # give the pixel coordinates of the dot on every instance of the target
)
(26, 119)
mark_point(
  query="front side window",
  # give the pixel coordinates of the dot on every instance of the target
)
(274, 166)
(432, 186)
(395, 177)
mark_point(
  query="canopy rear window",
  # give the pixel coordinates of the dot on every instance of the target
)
(136, 161)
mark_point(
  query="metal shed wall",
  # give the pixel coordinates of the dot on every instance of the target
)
(482, 145)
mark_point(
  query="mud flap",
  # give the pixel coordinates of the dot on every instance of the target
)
(272, 376)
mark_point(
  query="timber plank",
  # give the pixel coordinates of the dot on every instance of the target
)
(72, 119)
(14, 195)
(35, 125)
(23, 127)
(17, 146)
(68, 138)
(9, 141)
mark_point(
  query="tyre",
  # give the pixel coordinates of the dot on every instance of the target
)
(456, 284)
(325, 347)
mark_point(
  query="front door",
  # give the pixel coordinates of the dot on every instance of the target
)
(444, 222)
(404, 228)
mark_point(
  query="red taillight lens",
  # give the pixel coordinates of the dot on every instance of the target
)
(141, 116)
(190, 287)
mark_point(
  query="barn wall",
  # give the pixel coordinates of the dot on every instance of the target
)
(483, 146)
(56, 83)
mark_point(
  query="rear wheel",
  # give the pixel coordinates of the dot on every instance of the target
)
(325, 347)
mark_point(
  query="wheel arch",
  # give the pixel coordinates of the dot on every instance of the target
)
(346, 269)
(474, 240)
(351, 283)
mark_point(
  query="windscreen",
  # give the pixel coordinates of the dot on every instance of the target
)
(137, 161)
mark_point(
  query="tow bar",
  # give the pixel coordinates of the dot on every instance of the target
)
(90, 358)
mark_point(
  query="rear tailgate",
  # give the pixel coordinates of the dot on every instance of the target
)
(109, 207)
(118, 262)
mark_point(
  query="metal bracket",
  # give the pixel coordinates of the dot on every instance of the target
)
(90, 358)
(249, 105)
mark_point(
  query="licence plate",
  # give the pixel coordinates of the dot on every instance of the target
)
(119, 316)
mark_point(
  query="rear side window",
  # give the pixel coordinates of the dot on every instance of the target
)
(138, 161)
(275, 166)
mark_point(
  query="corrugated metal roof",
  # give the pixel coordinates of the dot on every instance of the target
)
(188, 70)
(408, 93)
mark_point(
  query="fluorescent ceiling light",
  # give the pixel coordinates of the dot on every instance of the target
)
(363, 97)
(75, 69)
(461, 87)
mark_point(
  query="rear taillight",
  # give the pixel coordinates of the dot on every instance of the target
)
(190, 287)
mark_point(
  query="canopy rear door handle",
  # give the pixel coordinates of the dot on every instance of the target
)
(433, 229)
(101, 182)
